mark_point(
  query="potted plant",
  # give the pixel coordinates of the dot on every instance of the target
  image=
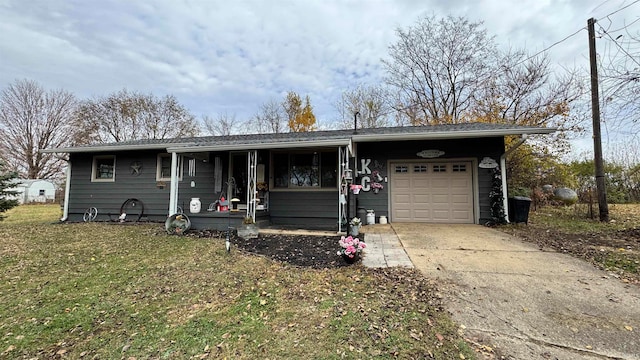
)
(248, 229)
(376, 187)
(350, 248)
(354, 226)
(356, 188)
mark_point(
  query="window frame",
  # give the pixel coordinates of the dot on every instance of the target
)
(159, 158)
(289, 187)
(94, 168)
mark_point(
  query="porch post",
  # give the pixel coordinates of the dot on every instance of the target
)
(173, 189)
(343, 192)
(252, 167)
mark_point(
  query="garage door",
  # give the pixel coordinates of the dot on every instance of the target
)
(432, 192)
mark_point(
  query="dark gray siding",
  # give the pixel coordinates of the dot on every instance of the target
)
(304, 208)
(380, 153)
(108, 197)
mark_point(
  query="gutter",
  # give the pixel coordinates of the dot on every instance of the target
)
(446, 135)
(262, 145)
(503, 173)
(108, 148)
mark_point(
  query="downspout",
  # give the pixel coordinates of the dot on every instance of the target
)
(503, 173)
(173, 188)
(67, 188)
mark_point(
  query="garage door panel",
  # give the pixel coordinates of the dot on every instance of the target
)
(402, 198)
(460, 199)
(422, 214)
(425, 195)
(460, 215)
(402, 183)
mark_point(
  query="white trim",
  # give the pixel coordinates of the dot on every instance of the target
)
(94, 169)
(159, 167)
(67, 189)
(503, 173)
(446, 135)
(263, 146)
(112, 148)
(173, 194)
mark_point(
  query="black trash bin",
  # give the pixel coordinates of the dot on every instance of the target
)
(519, 209)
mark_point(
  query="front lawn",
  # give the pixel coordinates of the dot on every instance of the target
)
(102, 290)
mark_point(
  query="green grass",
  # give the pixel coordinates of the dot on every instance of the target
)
(100, 290)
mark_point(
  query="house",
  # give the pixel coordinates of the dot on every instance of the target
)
(34, 191)
(439, 174)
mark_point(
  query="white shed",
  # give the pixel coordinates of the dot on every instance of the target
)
(34, 190)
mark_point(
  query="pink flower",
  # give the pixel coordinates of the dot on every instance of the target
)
(350, 250)
(362, 245)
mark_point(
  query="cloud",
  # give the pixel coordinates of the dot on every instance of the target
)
(230, 57)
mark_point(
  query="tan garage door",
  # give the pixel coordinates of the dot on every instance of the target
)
(431, 192)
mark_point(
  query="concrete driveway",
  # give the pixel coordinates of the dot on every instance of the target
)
(529, 303)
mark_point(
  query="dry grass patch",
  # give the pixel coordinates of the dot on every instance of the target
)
(613, 246)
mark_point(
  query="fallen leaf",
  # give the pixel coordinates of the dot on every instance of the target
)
(9, 349)
(440, 337)
(629, 328)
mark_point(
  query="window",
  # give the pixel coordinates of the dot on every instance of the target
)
(305, 170)
(459, 168)
(439, 168)
(163, 167)
(420, 168)
(402, 169)
(41, 192)
(104, 168)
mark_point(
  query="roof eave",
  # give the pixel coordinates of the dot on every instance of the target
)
(111, 148)
(444, 135)
(264, 145)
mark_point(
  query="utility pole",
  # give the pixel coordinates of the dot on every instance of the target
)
(595, 113)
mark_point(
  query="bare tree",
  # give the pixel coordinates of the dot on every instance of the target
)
(371, 102)
(620, 74)
(271, 118)
(31, 120)
(524, 91)
(225, 124)
(125, 115)
(436, 66)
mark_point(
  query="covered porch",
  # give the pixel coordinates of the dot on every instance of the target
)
(285, 184)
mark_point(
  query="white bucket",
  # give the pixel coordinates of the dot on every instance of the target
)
(383, 219)
(371, 218)
(195, 205)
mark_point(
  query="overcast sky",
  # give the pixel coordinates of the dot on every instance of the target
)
(231, 56)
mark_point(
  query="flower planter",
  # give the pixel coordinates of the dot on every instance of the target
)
(354, 230)
(351, 260)
(248, 231)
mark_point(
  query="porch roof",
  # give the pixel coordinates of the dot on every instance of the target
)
(312, 139)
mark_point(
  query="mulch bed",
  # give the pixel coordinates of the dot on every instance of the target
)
(318, 252)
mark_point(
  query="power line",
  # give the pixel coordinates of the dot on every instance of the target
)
(620, 47)
(622, 8)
